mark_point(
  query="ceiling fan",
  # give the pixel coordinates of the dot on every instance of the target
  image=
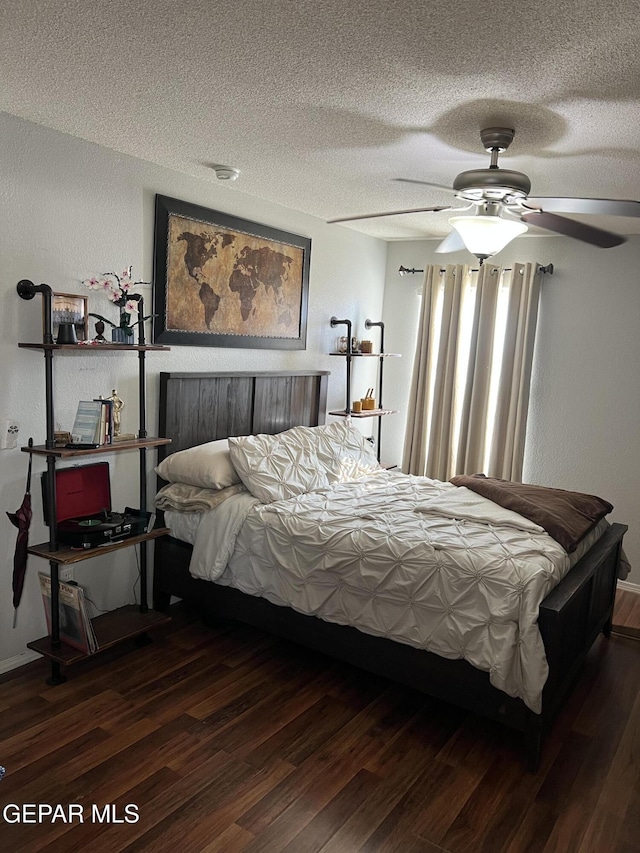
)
(503, 209)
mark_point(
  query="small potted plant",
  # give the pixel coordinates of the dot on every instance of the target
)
(117, 289)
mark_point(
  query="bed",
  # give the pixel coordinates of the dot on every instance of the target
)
(200, 408)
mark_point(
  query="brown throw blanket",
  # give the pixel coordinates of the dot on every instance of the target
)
(566, 516)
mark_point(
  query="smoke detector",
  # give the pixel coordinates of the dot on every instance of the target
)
(226, 173)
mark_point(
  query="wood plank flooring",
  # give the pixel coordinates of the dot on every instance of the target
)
(226, 739)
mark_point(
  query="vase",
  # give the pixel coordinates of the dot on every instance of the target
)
(119, 336)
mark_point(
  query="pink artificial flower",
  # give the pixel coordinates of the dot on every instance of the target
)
(115, 287)
(131, 306)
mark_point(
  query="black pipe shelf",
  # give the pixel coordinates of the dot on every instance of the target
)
(368, 354)
(368, 413)
(65, 555)
(67, 452)
(95, 348)
(122, 623)
(350, 354)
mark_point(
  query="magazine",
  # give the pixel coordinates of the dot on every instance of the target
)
(76, 628)
(87, 424)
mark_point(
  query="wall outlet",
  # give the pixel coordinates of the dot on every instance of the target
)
(66, 574)
(9, 438)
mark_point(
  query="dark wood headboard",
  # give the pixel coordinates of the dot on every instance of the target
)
(200, 407)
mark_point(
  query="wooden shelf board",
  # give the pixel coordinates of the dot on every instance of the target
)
(64, 452)
(93, 348)
(368, 354)
(65, 554)
(125, 623)
(370, 413)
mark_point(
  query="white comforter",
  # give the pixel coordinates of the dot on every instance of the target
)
(416, 560)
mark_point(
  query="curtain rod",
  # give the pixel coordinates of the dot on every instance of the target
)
(543, 269)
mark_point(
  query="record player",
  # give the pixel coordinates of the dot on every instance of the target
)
(83, 508)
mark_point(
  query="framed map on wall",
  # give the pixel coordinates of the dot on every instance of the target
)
(222, 281)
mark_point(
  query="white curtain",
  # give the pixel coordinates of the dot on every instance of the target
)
(472, 370)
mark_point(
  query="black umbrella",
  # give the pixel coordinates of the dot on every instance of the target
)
(21, 519)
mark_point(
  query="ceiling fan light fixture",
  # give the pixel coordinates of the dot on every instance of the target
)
(485, 236)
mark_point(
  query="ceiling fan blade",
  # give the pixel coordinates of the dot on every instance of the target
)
(390, 213)
(452, 243)
(571, 228)
(425, 184)
(597, 206)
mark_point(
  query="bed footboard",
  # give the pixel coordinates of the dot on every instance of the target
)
(576, 611)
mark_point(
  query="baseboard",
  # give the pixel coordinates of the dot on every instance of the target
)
(20, 660)
(626, 631)
(631, 587)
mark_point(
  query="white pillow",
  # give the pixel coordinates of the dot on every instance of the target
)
(301, 459)
(206, 465)
(345, 453)
(276, 467)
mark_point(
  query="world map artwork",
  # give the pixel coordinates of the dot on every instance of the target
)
(226, 282)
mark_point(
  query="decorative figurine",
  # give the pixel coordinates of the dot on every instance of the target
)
(99, 338)
(118, 406)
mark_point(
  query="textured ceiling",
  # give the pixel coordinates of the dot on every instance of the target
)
(321, 104)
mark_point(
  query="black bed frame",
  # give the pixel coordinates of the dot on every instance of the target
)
(196, 407)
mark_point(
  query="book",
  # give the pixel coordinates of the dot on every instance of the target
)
(110, 427)
(106, 423)
(86, 427)
(76, 628)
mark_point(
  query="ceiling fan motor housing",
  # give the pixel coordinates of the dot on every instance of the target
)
(497, 138)
(492, 184)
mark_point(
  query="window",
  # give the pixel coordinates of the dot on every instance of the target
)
(472, 371)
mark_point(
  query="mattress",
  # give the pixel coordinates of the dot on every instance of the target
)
(388, 556)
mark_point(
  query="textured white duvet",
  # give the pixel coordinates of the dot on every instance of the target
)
(416, 560)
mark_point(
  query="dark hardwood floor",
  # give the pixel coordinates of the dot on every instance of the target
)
(226, 739)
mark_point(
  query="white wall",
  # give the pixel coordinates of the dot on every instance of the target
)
(583, 429)
(69, 209)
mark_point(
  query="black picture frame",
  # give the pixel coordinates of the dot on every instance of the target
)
(214, 272)
(70, 308)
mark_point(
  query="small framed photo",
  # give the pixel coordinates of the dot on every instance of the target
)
(71, 308)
